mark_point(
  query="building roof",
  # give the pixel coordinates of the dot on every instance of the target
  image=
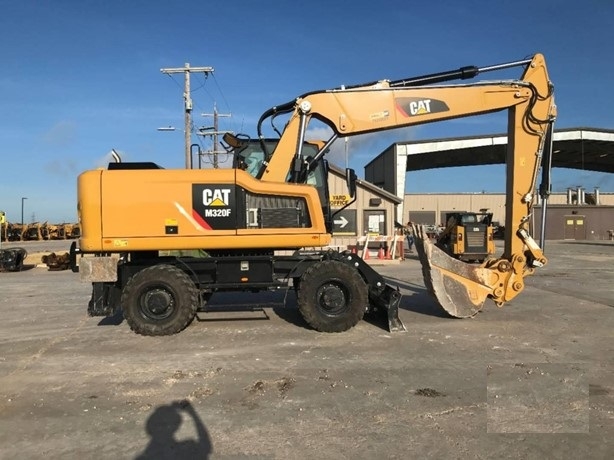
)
(589, 149)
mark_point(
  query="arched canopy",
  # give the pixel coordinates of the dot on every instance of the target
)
(576, 148)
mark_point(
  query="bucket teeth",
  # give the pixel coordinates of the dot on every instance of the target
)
(459, 288)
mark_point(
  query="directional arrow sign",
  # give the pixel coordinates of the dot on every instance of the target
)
(344, 222)
(341, 222)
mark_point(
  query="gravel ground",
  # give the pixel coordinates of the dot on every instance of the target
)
(534, 379)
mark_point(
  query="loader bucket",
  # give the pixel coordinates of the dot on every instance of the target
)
(460, 288)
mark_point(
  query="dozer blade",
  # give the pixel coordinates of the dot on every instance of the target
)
(459, 288)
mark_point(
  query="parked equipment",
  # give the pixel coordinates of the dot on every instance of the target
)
(13, 232)
(36, 232)
(56, 262)
(468, 236)
(11, 260)
(276, 198)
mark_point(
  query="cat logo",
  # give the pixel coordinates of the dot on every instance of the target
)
(213, 206)
(216, 197)
(420, 107)
(412, 106)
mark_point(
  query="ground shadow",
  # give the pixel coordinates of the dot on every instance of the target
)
(290, 314)
(26, 267)
(228, 313)
(163, 424)
(424, 304)
(230, 306)
(240, 306)
(419, 301)
(23, 268)
(115, 320)
(588, 243)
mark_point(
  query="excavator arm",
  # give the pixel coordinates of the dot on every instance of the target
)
(460, 288)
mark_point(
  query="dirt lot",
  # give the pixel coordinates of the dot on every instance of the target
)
(532, 380)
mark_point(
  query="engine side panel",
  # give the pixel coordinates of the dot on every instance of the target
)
(157, 209)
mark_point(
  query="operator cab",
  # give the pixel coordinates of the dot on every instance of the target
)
(249, 156)
(468, 219)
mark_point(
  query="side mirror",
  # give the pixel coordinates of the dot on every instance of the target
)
(236, 142)
(350, 180)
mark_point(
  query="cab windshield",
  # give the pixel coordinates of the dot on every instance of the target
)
(251, 156)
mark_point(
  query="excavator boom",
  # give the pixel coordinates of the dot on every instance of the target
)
(460, 288)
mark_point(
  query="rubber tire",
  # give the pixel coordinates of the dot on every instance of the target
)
(342, 278)
(174, 282)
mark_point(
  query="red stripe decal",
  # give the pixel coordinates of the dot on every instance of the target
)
(200, 220)
(401, 109)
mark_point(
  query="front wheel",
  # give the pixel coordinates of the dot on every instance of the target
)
(332, 296)
(159, 300)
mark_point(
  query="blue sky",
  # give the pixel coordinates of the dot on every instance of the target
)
(80, 77)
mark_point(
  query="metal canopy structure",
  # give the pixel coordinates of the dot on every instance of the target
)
(588, 149)
(576, 148)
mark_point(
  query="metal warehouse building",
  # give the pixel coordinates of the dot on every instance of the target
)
(589, 218)
(576, 214)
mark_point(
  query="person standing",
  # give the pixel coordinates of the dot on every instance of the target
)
(409, 233)
(400, 251)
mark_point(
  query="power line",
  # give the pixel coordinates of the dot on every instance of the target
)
(203, 131)
(221, 93)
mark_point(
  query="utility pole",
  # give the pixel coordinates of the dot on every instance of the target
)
(2, 226)
(216, 146)
(23, 198)
(186, 69)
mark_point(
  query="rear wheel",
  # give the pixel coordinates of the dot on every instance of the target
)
(159, 300)
(332, 296)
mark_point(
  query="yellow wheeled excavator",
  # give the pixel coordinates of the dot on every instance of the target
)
(276, 198)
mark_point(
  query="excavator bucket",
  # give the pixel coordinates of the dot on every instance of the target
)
(460, 288)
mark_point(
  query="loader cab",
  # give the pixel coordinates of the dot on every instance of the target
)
(468, 236)
(468, 219)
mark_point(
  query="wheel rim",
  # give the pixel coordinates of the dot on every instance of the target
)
(332, 299)
(157, 303)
